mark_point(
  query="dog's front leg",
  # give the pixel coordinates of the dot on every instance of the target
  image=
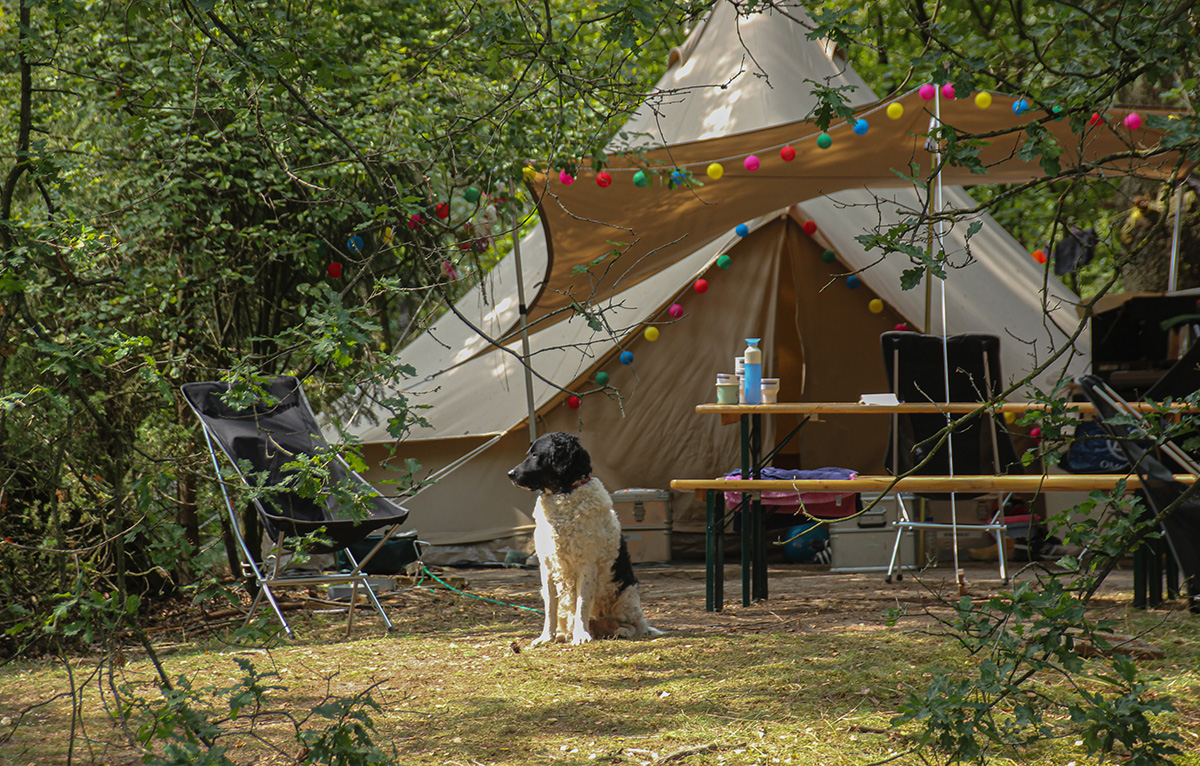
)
(585, 593)
(550, 604)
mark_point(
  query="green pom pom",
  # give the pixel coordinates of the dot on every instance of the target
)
(640, 178)
(824, 141)
(724, 261)
(829, 256)
(471, 194)
(602, 378)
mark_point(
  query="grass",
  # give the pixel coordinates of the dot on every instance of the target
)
(459, 685)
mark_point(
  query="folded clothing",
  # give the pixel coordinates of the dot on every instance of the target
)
(825, 500)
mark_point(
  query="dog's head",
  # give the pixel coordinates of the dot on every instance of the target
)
(555, 463)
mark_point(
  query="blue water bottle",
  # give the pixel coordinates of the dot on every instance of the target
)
(752, 374)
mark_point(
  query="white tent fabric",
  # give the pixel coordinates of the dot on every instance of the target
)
(732, 75)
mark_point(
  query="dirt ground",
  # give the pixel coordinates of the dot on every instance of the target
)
(801, 598)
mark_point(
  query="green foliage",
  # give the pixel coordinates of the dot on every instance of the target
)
(1023, 642)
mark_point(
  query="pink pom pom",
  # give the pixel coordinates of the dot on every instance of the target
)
(751, 163)
(927, 92)
(675, 311)
(566, 178)
(902, 327)
(948, 91)
(1133, 121)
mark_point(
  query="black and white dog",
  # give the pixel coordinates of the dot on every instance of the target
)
(587, 576)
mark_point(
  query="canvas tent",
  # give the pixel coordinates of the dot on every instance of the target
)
(735, 84)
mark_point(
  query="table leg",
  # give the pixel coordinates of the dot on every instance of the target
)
(747, 525)
(759, 518)
(714, 551)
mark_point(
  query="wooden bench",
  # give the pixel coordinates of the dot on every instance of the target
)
(713, 490)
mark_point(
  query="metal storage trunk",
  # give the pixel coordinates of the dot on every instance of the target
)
(865, 544)
(645, 516)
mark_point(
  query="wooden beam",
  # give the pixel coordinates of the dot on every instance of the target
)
(1024, 484)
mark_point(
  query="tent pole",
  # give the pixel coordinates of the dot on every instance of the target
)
(523, 312)
(1172, 273)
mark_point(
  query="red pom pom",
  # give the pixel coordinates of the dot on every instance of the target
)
(334, 270)
(810, 228)
(700, 286)
(787, 154)
(1035, 433)
(603, 179)
(442, 210)
(1095, 119)
(573, 402)
(1039, 255)
(902, 327)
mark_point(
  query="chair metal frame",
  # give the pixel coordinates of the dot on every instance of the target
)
(996, 526)
(273, 571)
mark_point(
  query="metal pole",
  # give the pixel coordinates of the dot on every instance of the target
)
(523, 311)
(1173, 272)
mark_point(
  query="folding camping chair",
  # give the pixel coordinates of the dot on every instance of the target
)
(916, 371)
(263, 440)
(1181, 527)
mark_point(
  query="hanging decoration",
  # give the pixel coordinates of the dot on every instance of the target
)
(355, 244)
(573, 402)
(566, 178)
(604, 179)
(824, 141)
(640, 178)
(787, 154)
(983, 99)
(651, 334)
(742, 230)
(751, 163)
(1095, 120)
(724, 261)
(895, 110)
(1039, 255)
(471, 194)
(927, 92)
(861, 127)
(1133, 121)
(853, 281)
(700, 285)
(810, 227)
(602, 378)
(1020, 106)
(948, 91)
(715, 171)
(829, 256)
(442, 210)
(626, 357)
(334, 270)
(875, 306)
(675, 311)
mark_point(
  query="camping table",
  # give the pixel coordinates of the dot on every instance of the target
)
(754, 549)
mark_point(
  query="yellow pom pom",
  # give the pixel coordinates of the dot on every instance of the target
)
(715, 171)
(529, 174)
(875, 306)
(651, 334)
(895, 110)
(983, 99)
(1010, 418)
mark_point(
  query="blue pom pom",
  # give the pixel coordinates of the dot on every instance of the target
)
(742, 230)
(626, 357)
(861, 127)
(853, 281)
(355, 243)
(1020, 106)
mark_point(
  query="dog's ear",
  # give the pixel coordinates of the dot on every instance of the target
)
(569, 460)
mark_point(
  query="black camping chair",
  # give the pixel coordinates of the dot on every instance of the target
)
(260, 440)
(1181, 527)
(916, 372)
